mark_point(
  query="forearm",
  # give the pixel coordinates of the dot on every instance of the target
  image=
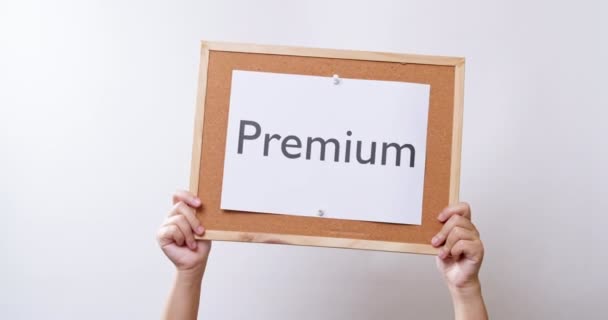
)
(185, 295)
(468, 303)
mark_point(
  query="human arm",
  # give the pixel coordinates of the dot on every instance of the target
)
(176, 239)
(459, 260)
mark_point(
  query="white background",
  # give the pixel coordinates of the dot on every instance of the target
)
(96, 107)
(313, 106)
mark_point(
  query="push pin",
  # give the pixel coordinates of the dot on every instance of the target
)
(336, 79)
(321, 213)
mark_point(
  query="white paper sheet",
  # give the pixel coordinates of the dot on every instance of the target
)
(315, 107)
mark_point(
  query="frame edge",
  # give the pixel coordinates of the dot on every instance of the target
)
(197, 141)
(345, 243)
(457, 133)
(335, 53)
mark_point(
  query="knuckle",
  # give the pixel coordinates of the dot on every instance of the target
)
(160, 233)
(181, 210)
(171, 228)
(187, 210)
(195, 222)
(178, 235)
(169, 220)
(457, 219)
(183, 223)
(172, 221)
(178, 196)
(175, 209)
(458, 232)
(187, 230)
(450, 241)
(451, 210)
(171, 212)
(181, 206)
(477, 234)
(179, 218)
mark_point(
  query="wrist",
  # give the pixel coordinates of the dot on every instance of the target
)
(466, 292)
(192, 269)
(468, 301)
(191, 275)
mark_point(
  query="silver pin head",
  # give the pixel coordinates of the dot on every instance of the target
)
(320, 213)
(336, 79)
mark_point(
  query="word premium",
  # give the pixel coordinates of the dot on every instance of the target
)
(293, 147)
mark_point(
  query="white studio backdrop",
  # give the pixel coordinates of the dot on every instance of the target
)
(96, 113)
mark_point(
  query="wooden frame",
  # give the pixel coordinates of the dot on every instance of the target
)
(458, 98)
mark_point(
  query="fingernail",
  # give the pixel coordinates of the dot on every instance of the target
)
(435, 240)
(196, 201)
(200, 230)
(440, 216)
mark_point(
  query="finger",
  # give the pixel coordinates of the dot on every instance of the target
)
(454, 221)
(461, 209)
(170, 234)
(181, 208)
(182, 223)
(470, 249)
(457, 234)
(187, 197)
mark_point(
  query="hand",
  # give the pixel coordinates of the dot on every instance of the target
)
(461, 251)
(176, 235)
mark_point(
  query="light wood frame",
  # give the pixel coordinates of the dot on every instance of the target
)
(257, 237)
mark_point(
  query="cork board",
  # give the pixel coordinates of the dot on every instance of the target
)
(445, 76)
